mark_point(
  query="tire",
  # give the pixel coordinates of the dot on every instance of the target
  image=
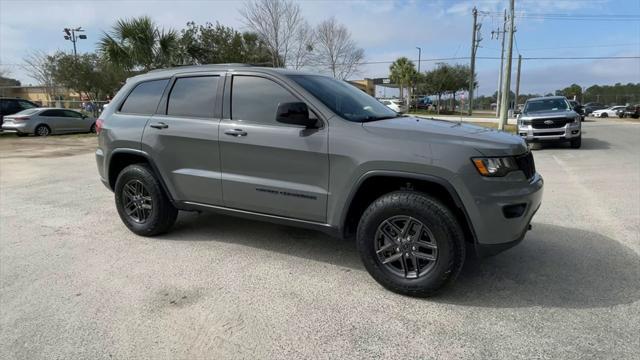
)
(92, 129)
(42, 130)
(442, 229)
(604, 115)
(576, 143)
(152, 213)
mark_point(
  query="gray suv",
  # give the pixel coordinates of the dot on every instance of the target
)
(307, 150)
(550, 119)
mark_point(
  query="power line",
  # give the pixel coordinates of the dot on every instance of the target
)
(581, 47)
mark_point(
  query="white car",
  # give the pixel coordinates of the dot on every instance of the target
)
(610, 111)
(396, 105)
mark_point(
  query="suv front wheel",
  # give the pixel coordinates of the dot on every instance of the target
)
(411, 243)
(141, 202)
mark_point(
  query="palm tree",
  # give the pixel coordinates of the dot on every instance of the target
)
(138, 44)
(403, 72)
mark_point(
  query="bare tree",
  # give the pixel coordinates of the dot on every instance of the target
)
(336, 51)
(303, 47)
(276, 22)
(40, 67)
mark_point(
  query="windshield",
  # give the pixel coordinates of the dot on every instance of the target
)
(547, 105)
(344, 99)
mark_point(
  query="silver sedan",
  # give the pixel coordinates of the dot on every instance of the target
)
(46, 121)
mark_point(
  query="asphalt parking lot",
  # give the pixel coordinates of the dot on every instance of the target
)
(75, 283)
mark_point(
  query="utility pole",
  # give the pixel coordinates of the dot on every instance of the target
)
(506, 79)
(415, 88)
(500, 33)
(518, 81)
(474, 49)
(70, 34)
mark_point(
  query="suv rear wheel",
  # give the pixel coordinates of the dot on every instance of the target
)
(141, 202)
(411, 243)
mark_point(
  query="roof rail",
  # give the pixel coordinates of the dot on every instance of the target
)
(203, 65)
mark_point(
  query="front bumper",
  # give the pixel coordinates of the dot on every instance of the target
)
(567, 132)
(501, 210)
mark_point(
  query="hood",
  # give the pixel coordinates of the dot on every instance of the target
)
(488, 142)
(549, 114)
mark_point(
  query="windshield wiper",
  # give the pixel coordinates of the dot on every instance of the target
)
(376, 118)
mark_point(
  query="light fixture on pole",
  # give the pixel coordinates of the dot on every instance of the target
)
(70, 34)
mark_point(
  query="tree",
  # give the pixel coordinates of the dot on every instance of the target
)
(211, 44)
(277, 23)
(570, 91)
(138, 44)
(445, 79)
(336, 51)
(303, 47)
(403, 72)
(40, 67)
(87, 74)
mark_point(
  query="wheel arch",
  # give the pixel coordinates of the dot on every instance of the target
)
(374, 184)
(121, 158)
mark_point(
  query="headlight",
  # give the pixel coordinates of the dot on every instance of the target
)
(495, 166)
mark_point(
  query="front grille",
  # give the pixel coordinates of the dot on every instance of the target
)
(549, 133)
(526, 164)
(557, 123)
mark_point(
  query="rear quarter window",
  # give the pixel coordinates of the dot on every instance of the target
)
(145, 97)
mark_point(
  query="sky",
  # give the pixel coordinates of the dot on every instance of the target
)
(385, 29)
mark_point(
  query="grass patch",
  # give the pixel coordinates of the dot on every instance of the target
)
(507, 128)
(488, 115)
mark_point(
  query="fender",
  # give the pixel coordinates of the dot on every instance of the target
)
(391, 173)
(154, 168)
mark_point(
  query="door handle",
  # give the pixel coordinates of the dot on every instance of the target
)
(236, 132)
(159, 125)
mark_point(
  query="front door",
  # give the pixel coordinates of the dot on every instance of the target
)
(182, 139)
(270, 167)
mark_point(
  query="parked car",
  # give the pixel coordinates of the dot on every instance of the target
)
(396, 105)
(10, 106)
(550, 119)
(46, 121)
(423, 103)
(608, 112)
(632, 111)
(309, 150)
(577, 108)
(591, 107)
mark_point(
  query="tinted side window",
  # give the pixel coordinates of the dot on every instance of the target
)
(70, 113)
(26, 105)
(256, 99)
(145, 97)
(51, 113)
(193, 96)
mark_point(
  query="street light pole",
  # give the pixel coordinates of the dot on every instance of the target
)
(419, 57)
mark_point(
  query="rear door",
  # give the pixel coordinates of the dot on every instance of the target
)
(270, 167)
(182, 138)
(55, 119)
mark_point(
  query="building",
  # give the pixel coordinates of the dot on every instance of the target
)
(39, 95)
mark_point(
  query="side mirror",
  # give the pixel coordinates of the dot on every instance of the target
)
(295, 113)
(84, 116)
